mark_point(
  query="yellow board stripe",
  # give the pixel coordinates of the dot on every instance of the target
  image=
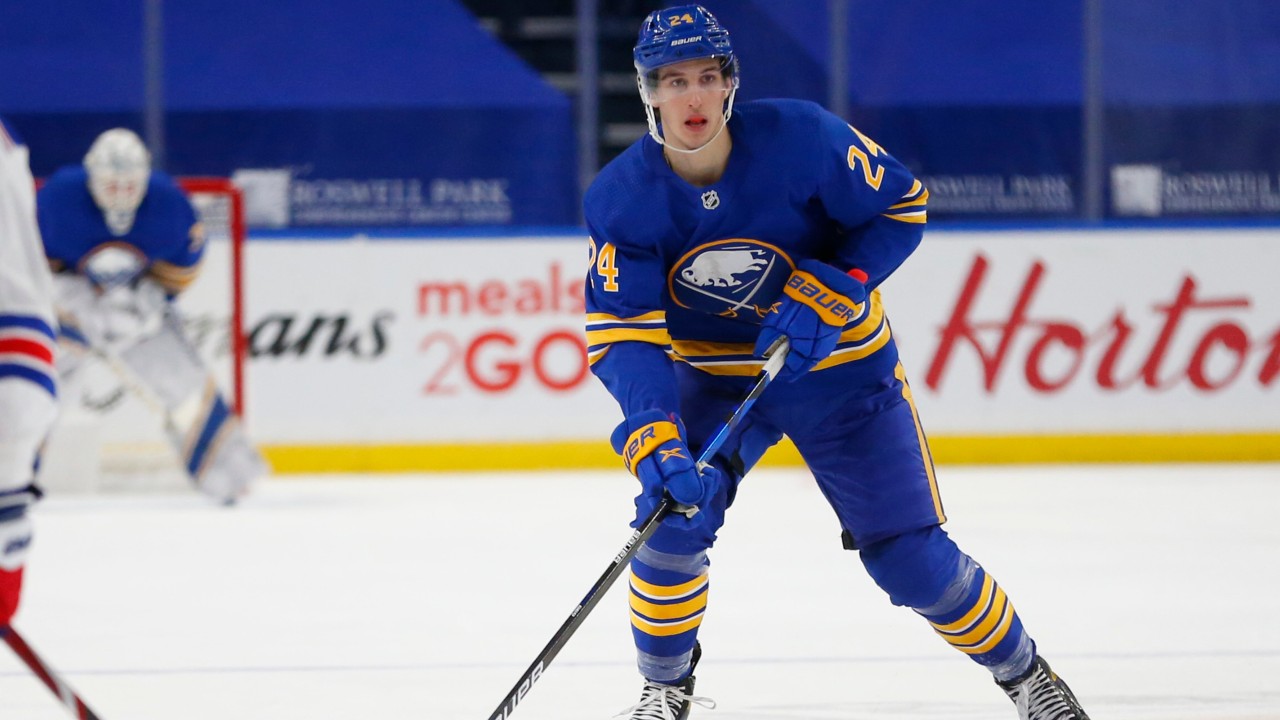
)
(498, 456)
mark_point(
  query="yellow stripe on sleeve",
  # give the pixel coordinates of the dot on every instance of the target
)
(655, 336)
(922, 200)
(649, 317)
(174, 278)
(920, 218)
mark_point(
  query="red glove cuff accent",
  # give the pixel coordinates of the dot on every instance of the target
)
(859, 275)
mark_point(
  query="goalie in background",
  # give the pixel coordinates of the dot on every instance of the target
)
(28, 391)
(124, 241)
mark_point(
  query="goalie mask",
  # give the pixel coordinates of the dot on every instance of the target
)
(119, 168)
(676, 35)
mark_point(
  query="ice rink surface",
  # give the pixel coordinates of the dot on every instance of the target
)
(1154, 590)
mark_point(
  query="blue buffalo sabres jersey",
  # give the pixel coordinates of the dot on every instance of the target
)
(686, 274)
(166, 231)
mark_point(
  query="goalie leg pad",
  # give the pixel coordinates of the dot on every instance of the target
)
(208, 437)
(168, 365)
(215, 449)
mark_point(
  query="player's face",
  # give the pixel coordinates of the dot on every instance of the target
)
(690, 95)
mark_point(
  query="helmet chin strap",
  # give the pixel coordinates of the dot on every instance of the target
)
(653, 127)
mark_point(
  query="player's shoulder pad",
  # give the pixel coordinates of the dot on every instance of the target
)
(164, 186)
(621, 191)
(164, 194)
(764, 115)
(66, 182)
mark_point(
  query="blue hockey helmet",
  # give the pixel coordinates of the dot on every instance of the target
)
(674, 35)
(677, 34)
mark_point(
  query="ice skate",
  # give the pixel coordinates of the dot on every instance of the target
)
(1042, 695)
(659, 701)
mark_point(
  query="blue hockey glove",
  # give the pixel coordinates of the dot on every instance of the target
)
(653, 448)
(816, 304)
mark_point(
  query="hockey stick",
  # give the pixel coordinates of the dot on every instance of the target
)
(638, 538)
(42, 670)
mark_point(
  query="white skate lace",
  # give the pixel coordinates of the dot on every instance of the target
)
(662, 702)
(1040, 698)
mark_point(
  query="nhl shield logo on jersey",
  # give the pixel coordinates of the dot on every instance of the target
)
(711, 199)
(736, 278)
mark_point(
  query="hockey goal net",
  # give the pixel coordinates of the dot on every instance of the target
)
(110, 439)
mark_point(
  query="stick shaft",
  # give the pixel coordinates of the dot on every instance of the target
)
(56, 685)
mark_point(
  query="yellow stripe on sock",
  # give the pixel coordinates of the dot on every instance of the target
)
(667, 592)
(976, 612)
(674, 611)
(665, 629)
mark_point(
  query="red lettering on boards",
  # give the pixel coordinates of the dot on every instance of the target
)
(992, 339)
(549, 294)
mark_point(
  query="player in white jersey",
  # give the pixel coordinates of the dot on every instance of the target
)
(27, 389)
(124, 242)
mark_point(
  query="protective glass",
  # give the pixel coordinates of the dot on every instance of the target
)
(677, 81)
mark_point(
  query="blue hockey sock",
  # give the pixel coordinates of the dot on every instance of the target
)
(977, 618)
(924, 570)
(668, 597)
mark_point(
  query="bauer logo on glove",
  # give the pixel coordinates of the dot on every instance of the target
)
(817, 303)
(642, 442)
(833, 308)
(653, 448)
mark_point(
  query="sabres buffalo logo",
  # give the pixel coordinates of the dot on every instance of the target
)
(736, 278)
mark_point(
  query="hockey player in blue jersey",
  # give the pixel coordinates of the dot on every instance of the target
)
(124, 241)
(725, 232)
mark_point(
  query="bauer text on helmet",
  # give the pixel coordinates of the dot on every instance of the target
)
(119, 168)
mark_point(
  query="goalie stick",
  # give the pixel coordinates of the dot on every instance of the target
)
(42, 670)
(638, 538)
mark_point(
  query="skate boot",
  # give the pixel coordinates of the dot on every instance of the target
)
(659, 701)
(1042, 695)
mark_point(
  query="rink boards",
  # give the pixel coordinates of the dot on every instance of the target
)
(403, 353)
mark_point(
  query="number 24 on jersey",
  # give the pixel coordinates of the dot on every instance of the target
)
(604, 262)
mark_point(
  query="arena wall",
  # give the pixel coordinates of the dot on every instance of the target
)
(409, 352)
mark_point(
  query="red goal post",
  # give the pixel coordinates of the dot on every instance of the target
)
(220, 204)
